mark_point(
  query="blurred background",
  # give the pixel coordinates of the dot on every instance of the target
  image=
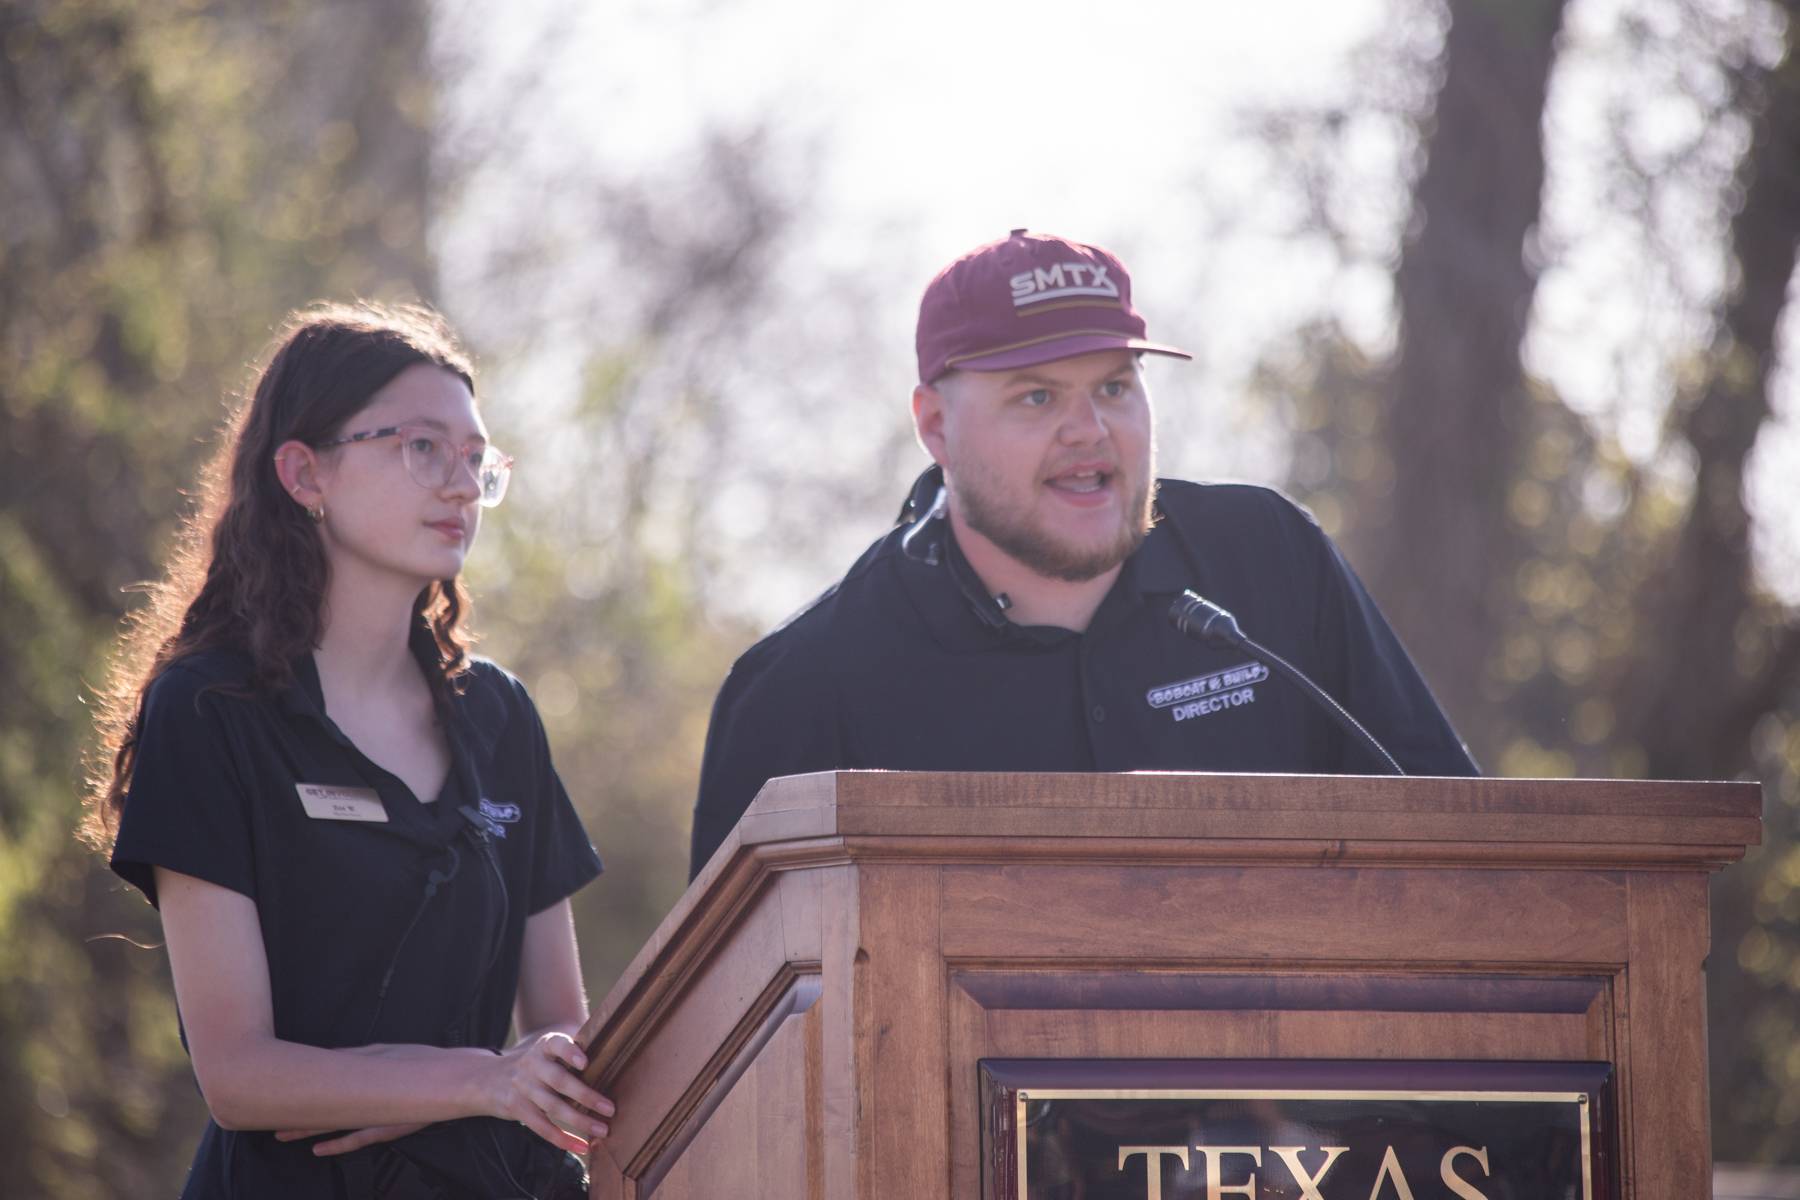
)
(1500, 288)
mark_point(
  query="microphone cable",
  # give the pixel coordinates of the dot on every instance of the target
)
(1199, 618)
(436, 879)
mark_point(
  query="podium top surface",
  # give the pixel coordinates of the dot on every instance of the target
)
(1207, 813)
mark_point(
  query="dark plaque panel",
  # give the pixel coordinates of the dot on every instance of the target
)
(1059, 1129)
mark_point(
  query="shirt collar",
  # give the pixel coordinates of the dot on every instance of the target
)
(964, 617)
(1162, 565)
(305, 695)
(305, 698)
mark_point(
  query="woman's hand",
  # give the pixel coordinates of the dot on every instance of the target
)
(537, 1083)
(363, 1095)
(354, 1140)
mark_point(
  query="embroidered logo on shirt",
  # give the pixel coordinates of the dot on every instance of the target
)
(1204, 695)
(498, 816)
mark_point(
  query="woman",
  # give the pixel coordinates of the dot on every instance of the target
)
(359, 849)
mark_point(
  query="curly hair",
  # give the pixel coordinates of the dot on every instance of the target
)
(248, 569)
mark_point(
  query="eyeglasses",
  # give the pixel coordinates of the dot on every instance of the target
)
(433, 462)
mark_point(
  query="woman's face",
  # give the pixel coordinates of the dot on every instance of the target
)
(380, 516)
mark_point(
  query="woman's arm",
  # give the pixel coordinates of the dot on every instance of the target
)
(253, 1080)
(551, 1008)
(551, 996)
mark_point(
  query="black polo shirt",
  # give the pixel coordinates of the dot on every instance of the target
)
(348, 907)
(908, 664)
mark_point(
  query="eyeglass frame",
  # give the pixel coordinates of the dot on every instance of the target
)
(503, 462)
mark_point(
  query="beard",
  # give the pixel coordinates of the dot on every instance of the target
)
(1010, 526)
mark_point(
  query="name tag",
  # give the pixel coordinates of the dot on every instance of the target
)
(329, 802)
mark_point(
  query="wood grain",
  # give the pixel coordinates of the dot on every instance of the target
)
(1107, 986)
(841, 1131)
(1250, 914)
(900, 997)
(752, 1144)
(764, 1055)
(948, 918)
(694, 1039)
(1670, 1133)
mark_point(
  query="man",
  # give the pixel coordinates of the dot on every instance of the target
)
(1016, 618)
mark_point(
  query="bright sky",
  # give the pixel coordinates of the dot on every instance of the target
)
(938, 124)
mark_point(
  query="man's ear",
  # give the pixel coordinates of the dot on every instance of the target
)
(297, 466)
(928, 420)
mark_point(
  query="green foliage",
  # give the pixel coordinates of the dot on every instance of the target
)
(1564, 685)
(167, 202)
(177, 174)
(1608, 619)
(611, 643)
(180, 174)
(1753, 976)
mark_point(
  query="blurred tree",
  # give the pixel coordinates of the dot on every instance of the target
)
(595, 588)
(1586, 611)
(710, 409)
(1720, 659)
(176, 175)
(1456, 408)
(179, 173)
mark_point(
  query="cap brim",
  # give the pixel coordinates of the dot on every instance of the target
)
(1059, 348)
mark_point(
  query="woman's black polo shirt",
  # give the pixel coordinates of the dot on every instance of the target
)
(350, 905)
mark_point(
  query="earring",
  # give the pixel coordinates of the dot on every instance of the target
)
(315, 511)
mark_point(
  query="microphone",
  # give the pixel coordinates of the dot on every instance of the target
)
(478, 824)
(1199, 618)
(1193, 615)
(935, 511)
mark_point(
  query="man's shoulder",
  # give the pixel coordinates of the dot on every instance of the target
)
(1226, 501)
(1237, 515)
(1241, 527)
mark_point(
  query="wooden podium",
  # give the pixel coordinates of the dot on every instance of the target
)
(808, 1020)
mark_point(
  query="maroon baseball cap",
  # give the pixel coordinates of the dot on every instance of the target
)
(1027, 298)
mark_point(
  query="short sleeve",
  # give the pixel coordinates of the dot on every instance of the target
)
(563, 859)
(187, 808)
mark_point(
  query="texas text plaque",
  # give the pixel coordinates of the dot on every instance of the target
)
(1058, 1129)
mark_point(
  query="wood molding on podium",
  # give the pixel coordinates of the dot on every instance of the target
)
(807, 1019)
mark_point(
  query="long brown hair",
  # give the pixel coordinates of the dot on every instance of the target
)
(248, 569)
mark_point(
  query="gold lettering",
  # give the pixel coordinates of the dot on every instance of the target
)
(1214, 1156)
(1456, 1183)
(1309, 1184)
(1152, 1164)
(1390, 1170)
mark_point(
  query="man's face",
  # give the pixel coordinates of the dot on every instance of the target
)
(1052, 463)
